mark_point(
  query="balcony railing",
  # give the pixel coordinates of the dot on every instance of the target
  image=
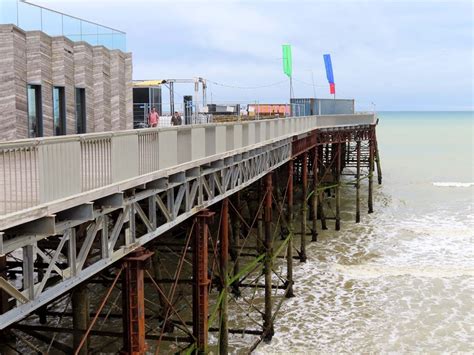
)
(31, 17)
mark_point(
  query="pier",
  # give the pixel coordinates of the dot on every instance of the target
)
(187, 222)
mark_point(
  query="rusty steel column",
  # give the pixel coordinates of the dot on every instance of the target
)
(304, 207)
(338, 147)
(371, 172)
(321, 214)
(260, 244)
(80, 316)
(377, 159)
(224, 261)
(201, 280)
(235, 250)
(314, 231)
(358, 181)
(268, 244)
(133, 301)
(289, 248)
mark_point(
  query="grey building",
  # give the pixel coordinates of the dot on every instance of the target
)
(52, 85)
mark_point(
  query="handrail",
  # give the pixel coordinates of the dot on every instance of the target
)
(40, 170)
(79, 137)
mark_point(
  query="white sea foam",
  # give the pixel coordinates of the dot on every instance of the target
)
(453, 184)
(370, 271)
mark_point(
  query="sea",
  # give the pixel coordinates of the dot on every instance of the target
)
(401, 281)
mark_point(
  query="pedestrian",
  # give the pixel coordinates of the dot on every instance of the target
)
(176, 119)
(153, 118)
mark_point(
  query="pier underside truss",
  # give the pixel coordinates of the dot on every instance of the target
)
(220, 246)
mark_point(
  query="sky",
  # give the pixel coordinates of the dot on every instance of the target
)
(387, 55)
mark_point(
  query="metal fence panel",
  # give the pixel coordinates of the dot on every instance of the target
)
(19, 180)
(58, 173)
(125, 164)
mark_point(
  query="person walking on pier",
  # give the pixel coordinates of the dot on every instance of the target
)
(153, 118)
(176, 119)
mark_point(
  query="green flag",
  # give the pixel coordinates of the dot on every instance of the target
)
(287, 62)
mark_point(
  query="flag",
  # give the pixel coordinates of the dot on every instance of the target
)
(287, 62)
(329, 74)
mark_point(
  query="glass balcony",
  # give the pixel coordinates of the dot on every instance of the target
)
(31, 17)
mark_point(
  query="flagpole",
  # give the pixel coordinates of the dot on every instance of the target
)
(291, 95)
(314, 87)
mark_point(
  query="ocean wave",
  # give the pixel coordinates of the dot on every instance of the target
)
(374, 271)
(453, 184)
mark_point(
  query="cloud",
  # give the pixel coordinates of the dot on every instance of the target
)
(398, 54)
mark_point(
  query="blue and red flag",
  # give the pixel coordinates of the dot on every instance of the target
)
(329, 74)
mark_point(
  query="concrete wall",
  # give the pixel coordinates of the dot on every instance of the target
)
(13, 120)
(84, 78)
(35, 58)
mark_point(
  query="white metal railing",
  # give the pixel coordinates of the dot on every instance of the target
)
(18, 177)
(41, 170)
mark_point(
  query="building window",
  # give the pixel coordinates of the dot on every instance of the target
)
(80, 110)
(59, 111)
(35, 118)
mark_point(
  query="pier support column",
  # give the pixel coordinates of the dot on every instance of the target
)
(377, 159)
(268, 244)
(338, 147)
(235, 251)
(201, 280)
(314, 199)
(260, 237)
(358, 181)
(304, 207)
(371, 173)
(133, 301)
(321, 210)
(80, 316)
(289, 247)
(321, 214)
(224, 260)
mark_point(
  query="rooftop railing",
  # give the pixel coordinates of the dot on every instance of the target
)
(31, 17)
